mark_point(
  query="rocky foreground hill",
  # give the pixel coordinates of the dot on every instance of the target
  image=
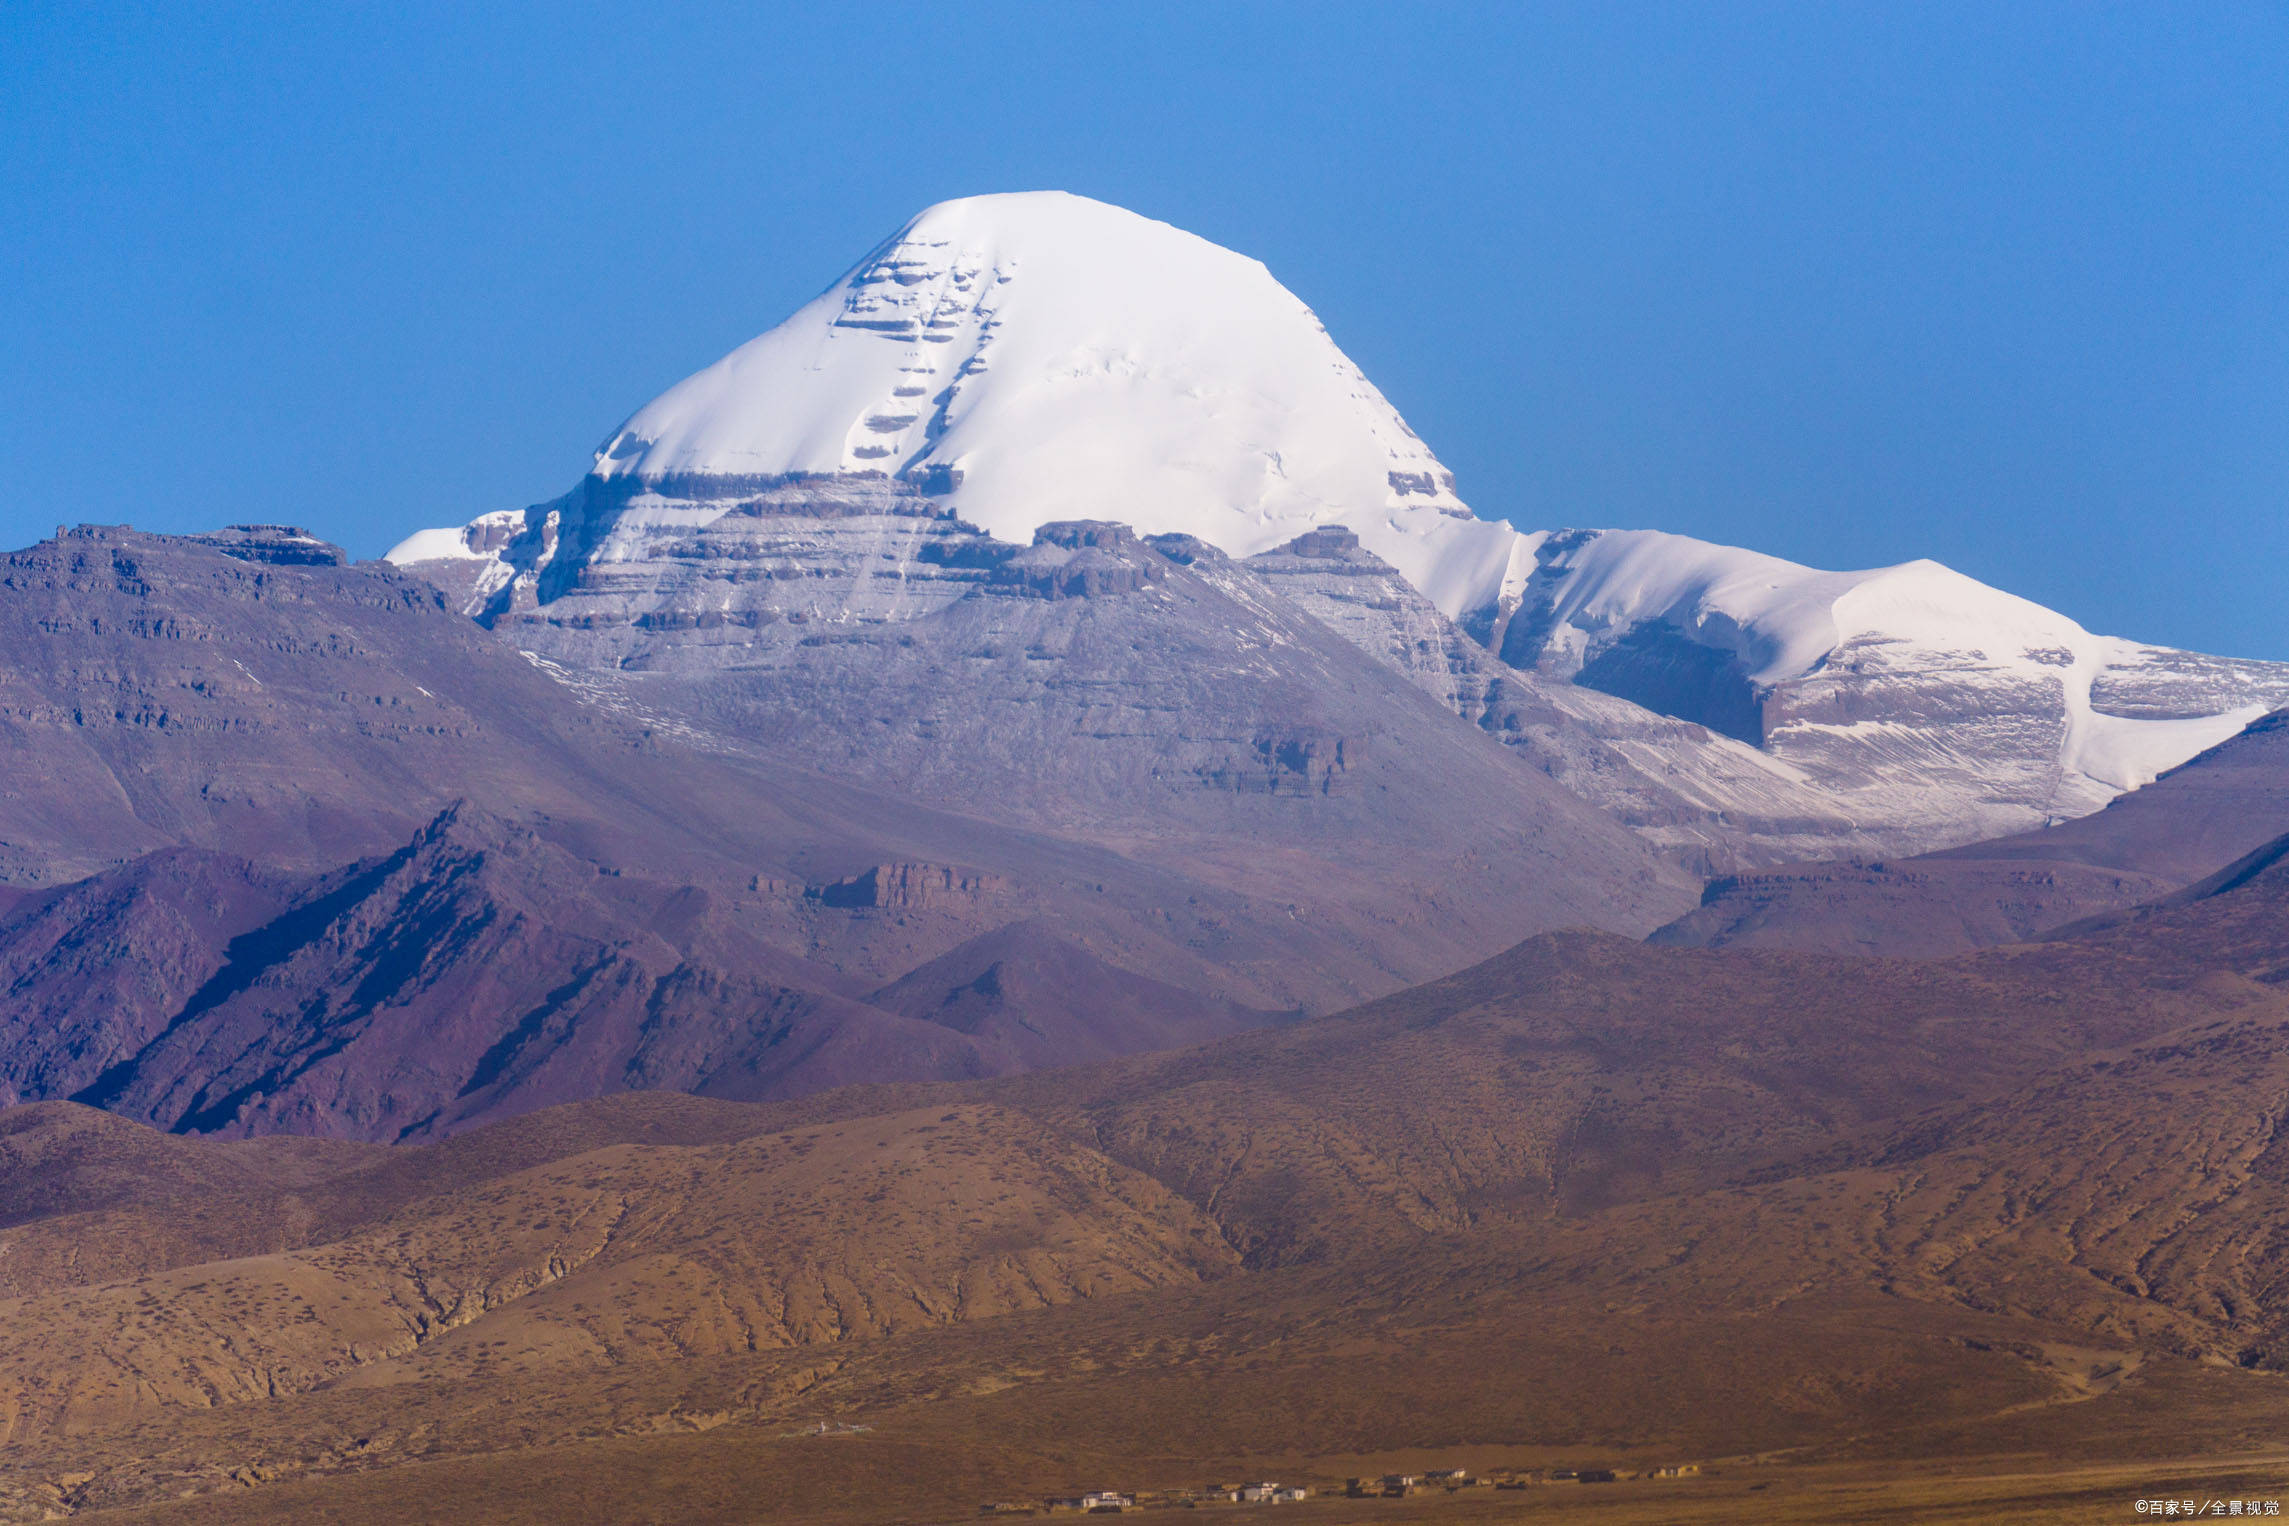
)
(1589, 1201)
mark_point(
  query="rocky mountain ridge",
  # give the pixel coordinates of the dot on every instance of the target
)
(758, 629)
(1910, 694)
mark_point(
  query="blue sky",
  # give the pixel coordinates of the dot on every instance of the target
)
(2004, 285)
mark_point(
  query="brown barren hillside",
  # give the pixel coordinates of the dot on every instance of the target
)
(1818, 1225)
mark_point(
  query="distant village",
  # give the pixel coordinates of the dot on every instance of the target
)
(1271, 1492)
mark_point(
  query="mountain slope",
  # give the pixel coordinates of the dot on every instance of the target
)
(1708, 800)
(2192, 820)
(1032, 999)
(168, 690)
(481, 969)
(955, 1215)
(1095, 686)
(1011, 351)
(299, 846)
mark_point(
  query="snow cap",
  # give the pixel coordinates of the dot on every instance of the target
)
(1041, 356)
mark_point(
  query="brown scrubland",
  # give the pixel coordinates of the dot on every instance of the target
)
(1999, 1234)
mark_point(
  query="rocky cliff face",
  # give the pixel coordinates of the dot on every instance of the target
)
(1090, 684)
(1703, 798)
(1769, 712)
(789, 595)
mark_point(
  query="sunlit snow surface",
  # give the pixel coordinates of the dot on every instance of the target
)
(1073, 360)
(436, 546)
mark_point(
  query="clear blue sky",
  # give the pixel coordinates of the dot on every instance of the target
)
(2002, 284)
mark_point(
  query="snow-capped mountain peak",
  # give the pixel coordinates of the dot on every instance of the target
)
(1038, 356)
(1019, 360)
